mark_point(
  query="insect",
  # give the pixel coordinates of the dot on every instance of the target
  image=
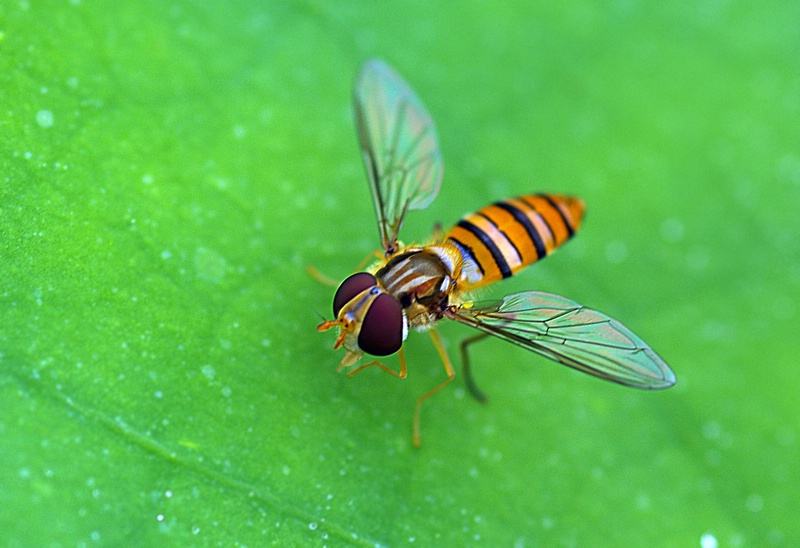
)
(415, 286)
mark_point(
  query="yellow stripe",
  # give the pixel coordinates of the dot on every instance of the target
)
(479, 252)
(497, 236)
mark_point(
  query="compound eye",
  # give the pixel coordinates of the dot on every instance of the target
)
(383, 327)
(351, 287)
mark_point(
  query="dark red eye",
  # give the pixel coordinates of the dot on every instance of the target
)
(351, 287)
(382, 329)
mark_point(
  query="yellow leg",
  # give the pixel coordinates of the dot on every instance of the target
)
(400, 375)
(320, 277)
(370, 257)
(325, 280)
(438, 233)
(448, 367)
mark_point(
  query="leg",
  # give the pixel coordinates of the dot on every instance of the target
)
(476, 392)
(400, 375)
(371, 256)
(320, 277)
(448, 367)
(438, 232)
(325, 280)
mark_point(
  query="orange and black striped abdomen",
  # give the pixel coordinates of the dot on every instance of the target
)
(503, 238)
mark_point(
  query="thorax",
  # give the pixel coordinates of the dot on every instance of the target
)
(423, 280)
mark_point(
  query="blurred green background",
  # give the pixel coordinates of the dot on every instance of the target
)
(167, 171)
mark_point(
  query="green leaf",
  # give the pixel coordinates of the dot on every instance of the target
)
(167, 172)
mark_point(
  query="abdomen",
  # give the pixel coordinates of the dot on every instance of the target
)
(503, 238)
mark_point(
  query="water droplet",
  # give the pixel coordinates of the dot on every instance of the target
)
(616, 252)
(210, 265)
(672, 230)
(711, 430)
(44, 118)
(698, 259)
(708, 541)
(754, 503)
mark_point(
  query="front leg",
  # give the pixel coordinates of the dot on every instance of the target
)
(380, 365)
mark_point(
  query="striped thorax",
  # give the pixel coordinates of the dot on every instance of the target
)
(423, 280)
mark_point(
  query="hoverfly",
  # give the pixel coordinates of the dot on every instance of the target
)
(415, 286)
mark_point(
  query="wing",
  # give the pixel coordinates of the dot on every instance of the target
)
(399, 145)
(571, 334)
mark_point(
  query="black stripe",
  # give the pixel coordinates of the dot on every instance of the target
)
(567, 224)
(549, 228)
(509, 240)
(525, 221)
(467, 250)
(488, 244)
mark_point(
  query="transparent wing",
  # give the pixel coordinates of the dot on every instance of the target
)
(569, 333)
(399, 145)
